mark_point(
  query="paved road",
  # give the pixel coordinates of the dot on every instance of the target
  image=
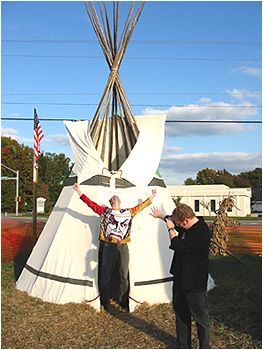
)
(245, 222)
(251, 223)
(21, 218)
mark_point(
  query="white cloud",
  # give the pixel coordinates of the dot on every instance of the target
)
(180, 166)
(252, 71)
(242, 94)
(171, 149)
(207, 111)
(204, 100)
(10, 132)
(60, 139)
(12, 115)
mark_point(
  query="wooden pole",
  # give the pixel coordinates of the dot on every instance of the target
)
(34, 213)
(108, 132)
(35, 171)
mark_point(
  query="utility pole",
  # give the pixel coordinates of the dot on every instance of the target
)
(35, 177)
(17, 192)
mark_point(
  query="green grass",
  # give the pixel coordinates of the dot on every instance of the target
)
(235, 313)
(237, 301)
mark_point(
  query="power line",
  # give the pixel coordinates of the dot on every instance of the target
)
(252, 93)
(133, 104)
(167, 121)
(148, 42)
(137, 58)
(216, 121)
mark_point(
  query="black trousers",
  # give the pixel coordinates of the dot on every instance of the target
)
(114, 268)
(186, 307)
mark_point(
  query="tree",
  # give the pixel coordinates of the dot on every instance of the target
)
(206, 177)
(241, 181)
(225, 177)
(190, 181)
(53, 169)
(17, 157)
(254, 177)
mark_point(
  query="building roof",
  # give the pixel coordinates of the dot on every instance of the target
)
(208, 190)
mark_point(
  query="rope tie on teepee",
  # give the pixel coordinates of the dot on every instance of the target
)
(113, 128)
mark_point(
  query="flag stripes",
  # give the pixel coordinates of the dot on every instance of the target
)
(38, 135)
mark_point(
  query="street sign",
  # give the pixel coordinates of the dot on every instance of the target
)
(7, 178)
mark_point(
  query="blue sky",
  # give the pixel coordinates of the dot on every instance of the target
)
(186, 57)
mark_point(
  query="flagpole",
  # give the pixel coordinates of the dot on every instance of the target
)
(38, 136)
(35, 176)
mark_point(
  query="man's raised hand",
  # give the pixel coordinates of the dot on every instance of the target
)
(77, 188)
(156, 213)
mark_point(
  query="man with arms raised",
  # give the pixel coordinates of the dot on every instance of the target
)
(114, 235)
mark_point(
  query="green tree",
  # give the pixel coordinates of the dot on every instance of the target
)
(190, 181)
(225, 177)
(17, 157)
(241, 181)
(254, 177)
(206, 177)
(53, 169)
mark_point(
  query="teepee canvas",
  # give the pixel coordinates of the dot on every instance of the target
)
(63, 266)
(119, 154)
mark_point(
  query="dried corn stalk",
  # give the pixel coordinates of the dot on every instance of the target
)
(221, 222)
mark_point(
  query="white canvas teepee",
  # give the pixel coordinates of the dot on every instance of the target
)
(114, 154)
(63, 266)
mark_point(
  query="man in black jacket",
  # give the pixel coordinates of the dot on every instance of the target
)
(190, 239)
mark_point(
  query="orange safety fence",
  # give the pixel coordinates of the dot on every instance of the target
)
(17, 237)
(245, 240)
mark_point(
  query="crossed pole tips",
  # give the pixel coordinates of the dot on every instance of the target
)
(113, 127)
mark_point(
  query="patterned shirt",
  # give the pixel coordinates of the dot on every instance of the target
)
(115, 224)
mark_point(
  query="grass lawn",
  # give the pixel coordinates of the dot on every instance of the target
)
(235, 312)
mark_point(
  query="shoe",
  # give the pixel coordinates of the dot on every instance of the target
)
(124, 307)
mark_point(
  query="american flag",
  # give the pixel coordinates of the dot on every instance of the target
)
(38, 135)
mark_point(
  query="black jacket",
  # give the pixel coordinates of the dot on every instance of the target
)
(190, 261)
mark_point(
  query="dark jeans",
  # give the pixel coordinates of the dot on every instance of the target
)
(186, 307)
(114, 258)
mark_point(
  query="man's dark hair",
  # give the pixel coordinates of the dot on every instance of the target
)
(182, 212)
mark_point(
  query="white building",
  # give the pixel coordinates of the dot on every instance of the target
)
(41, 205)
(205, 199)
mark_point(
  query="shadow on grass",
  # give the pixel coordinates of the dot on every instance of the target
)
(143, 326)
(237, 300)
(23, 254)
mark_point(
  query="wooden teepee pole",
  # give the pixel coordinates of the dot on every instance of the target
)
(120, 131)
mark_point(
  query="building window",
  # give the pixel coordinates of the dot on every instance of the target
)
(197, 205)
(213, 205)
